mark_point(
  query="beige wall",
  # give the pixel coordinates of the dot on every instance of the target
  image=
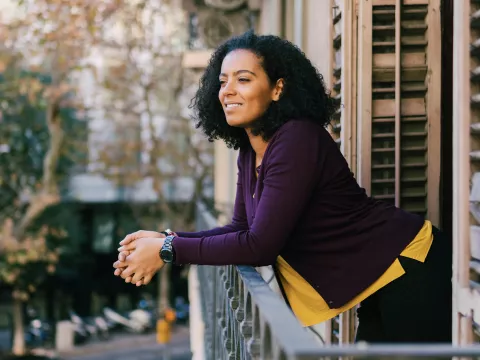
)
(225, 174)
(317, 35)
(307, 23)
(270, 17)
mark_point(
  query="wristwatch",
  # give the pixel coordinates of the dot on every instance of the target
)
(167, 254)
(167, 232)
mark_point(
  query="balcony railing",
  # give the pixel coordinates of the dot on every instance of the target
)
(245, 320)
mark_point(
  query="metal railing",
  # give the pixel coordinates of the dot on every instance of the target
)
(245, 320)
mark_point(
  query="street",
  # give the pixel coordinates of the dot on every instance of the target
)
(150, 352)
(133, 346)
(123, 346)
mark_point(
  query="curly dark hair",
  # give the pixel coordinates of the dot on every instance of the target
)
(304, 94)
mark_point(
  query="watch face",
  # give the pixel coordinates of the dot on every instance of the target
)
(166, 255)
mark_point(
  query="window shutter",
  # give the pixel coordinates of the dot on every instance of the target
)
(399, 106)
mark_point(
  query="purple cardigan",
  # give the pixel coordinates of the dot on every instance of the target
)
(309, 209)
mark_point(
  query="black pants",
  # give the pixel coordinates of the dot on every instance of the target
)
(415, 308)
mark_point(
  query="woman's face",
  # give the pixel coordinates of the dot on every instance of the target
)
(245, 89)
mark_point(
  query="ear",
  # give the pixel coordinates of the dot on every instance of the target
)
(278, 89)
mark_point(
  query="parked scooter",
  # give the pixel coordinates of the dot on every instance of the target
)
(137, 321)
(38, 332)
(82, 331)
(102, 329)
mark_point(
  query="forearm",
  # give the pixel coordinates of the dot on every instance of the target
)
(233, 227)
(233, 248)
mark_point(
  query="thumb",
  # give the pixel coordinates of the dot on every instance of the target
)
(129, 238)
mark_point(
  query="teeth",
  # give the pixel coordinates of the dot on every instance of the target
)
(233, 105)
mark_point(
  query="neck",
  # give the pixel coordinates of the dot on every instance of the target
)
(258, 144)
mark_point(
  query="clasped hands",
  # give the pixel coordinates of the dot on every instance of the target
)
(138, 257)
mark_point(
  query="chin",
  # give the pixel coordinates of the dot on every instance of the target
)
(235, 122)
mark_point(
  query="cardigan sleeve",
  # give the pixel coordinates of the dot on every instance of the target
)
(290, 177)
(239, 219)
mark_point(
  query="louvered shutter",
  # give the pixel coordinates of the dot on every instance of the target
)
(399, 90)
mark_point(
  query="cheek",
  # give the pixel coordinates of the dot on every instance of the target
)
(263, 103)
(260, 100)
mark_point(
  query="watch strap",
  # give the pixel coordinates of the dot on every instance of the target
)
(168, 247)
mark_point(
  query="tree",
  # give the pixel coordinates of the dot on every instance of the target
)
(43, 48)
(139, 46)
(156, 147)
(31, 140)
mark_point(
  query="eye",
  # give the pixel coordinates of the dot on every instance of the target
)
(222, 83)
(244, 80)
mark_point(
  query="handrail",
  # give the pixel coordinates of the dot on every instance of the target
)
(245, 319)
(286, 329)
(249, 308)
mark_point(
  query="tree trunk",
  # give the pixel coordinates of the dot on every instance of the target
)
(18, 331)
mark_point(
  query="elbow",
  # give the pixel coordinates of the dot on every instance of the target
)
(265, 262)
(262, 253)
(264, 258)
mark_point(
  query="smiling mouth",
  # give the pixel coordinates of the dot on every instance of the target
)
(230, 106)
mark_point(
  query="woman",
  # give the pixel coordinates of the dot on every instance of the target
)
(299, 208)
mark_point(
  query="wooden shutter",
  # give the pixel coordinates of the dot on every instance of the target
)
(399, 103)
(388, 89)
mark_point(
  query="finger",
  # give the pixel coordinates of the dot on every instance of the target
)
(128, 279)
(127, 239)
(139, 283)
(128, 247)
(127, 272)
(117, 272)
(120, 265)
(138, 276)
(147, 279)
(122, 256)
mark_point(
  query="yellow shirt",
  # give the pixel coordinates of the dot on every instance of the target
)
(310, 308)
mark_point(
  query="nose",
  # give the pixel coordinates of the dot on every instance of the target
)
(228, 89)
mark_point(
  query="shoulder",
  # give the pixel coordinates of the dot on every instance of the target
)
(303, 129)
(301, 133)
(297, 148)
